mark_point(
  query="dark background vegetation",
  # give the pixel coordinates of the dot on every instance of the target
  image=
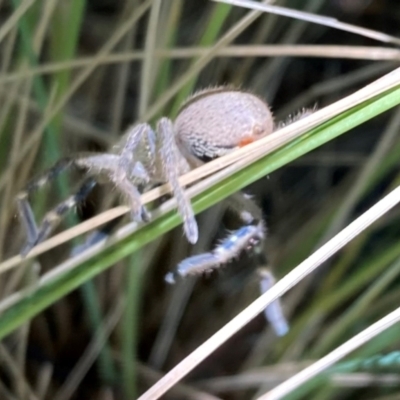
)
(300, 202)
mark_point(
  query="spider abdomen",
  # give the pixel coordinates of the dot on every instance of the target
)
(217, 121)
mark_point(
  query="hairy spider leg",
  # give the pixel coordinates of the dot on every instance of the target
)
(36, 235)
(247, 237)
(170, 159)
(125, 171)
(121, 169)
(141, 134)
(96, 237)
(28, 220)
(53, 217)
(25, 209)
(238, 241)
(273, 313)
(249, 213)
(235, 243)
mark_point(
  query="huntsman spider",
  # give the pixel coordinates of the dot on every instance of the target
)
(210, 124)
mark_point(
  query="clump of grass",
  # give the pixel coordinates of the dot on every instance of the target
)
(61, 90)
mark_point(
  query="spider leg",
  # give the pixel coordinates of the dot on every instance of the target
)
(273, 313)
(170, 159)
(122, 169)
(96, 236)
(53, 217)
(247, 237)
(28, 220)
(239, 240)
(111, 166)
(36, 235)
(134, 137)
(24, 208)
(140, 143)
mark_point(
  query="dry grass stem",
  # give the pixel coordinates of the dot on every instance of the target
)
(340, 352)
(281, 287)
(315, 19)
(328, 51)
(92, 352)
(12, 21)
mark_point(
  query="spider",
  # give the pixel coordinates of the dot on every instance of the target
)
(211, 123)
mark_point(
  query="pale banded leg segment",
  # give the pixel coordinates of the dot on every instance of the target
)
(242, 239)
(53, 217)
(110, 167)
(96, 236)
(49, 175)
(24, 207)
(139, 136)
(248, 237)
(273, 313)
(140, 143)
(170, 158)
(28, 221)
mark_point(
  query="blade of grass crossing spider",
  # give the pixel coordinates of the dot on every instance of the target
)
(64, 284)
(173, 220)
(52, 291)
(313, 139)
